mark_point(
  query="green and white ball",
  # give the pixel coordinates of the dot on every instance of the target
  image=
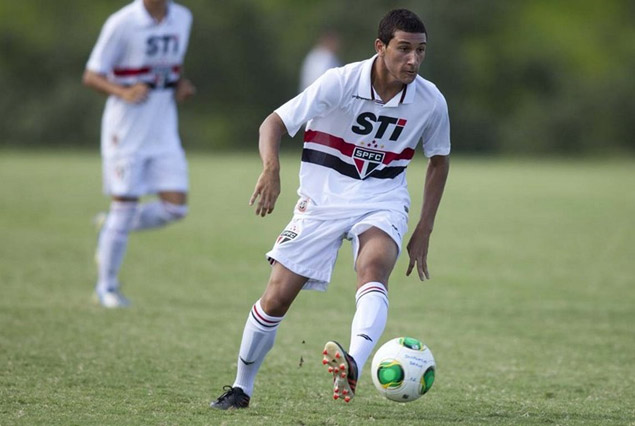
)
(403, 369)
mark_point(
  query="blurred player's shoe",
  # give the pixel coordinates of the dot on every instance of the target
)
(233, 398)
(111, 299)
(344, 369)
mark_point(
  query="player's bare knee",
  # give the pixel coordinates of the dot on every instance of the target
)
(275, 306)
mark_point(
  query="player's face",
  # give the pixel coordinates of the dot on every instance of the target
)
(403, 55)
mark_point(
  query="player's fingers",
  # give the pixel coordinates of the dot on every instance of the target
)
(263, 206)
(422, 268)
(410, 266)
(417, 262)
(254, 196)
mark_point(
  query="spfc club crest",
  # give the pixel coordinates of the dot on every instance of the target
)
(290, 233)
(367, 160)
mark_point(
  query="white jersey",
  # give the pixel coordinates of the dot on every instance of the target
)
(131, 48)
(356, 148)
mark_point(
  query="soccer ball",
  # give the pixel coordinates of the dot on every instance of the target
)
(403, 369)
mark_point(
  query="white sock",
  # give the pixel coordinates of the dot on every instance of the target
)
(369, 321)
(258, 337)
(157, 213)
(112, 243)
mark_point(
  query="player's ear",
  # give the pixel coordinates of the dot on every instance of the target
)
(380, 47)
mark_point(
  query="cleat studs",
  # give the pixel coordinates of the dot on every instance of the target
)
(345, 392)
(336, 370)
(337, 355)
(330, 369)
(324, 352)
(336, 396)
(325, 361)
(336, 390)
(343, 366)
(347, 399)
(343, 375)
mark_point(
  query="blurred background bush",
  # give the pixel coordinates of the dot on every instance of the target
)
(521, 77)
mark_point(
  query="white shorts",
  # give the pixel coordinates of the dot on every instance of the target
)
(308, 246)
(138, 175)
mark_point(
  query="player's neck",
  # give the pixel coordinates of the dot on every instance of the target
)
(156, 8)
(384, 83)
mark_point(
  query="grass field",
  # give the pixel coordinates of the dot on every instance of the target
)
(530, 313)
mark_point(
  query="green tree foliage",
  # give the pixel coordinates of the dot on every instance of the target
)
(521, 77)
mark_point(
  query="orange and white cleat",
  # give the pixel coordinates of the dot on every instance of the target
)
(343, 368)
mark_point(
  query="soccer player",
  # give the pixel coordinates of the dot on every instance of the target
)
(365, 121)
(138, 62)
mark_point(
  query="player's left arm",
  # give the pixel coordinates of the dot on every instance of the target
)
(184, 89)
(436, 176)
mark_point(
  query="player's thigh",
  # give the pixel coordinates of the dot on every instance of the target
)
(377, 240)
(167, 173)
(123, 177)
(376, 257)
(282, 289)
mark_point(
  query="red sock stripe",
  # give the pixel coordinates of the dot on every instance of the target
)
(262, 320)
(372, 289)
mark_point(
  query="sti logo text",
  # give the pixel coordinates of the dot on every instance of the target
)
(366, 121)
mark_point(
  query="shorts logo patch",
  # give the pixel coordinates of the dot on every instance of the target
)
(302, 205)
(286, 235)
(367, 160)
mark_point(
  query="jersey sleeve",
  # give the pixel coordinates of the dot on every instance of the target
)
(108, 48)
(187, 17)
(318, 99)
(436, 135)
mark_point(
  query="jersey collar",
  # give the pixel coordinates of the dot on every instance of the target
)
(365, 88)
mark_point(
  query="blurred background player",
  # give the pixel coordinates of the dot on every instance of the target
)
(138, 62)
(322, 57)
(365, 121)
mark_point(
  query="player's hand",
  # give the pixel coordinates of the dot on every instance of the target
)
(266, 192)
(184, 89)
(135, 94)
(418, 252)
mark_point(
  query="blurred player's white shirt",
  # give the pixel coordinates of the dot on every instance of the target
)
(132, 47)
(356, 148)
(317, 62)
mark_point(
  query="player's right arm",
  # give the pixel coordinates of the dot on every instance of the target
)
(135, 94)
(268, 184)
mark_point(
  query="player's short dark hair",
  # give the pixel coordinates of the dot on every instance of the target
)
(399, 20)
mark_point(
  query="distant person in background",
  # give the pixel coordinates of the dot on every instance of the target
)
(321, 58)
(138, 62)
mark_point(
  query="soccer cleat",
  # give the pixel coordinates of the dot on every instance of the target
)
(232, 399)
(344, 370)
(111, 299)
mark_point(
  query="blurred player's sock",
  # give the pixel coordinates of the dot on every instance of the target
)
(112, 243)
(258, 337)
(369, 321)
(157, 213)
